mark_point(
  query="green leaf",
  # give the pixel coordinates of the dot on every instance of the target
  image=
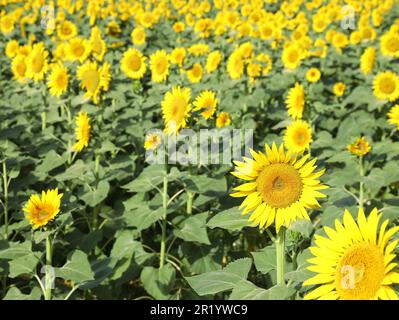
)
(76, 269)
(245, 290)
(230, 219)
(143, 216)
(158, 282)
(15, 294)
(301, 273)
(149, 178)
(23, 265)
(13, 250)
(221, 280)
(194, 229)
(94, 197)
(265, 260)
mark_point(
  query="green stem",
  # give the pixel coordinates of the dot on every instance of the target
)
(97, 207)
(48, 266)
(361, 184)
(5, 187)
(165, 208)
(190, 198)
(280, 256)
(43, 116)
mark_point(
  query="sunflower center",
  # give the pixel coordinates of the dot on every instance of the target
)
(301, 137)
(78, 50)
(37, 64)
(360, 272)
(280, 185)
(160, 66)
(134, 63)
(387, 86)
(61, 80)
(293, 56)
(42, 214)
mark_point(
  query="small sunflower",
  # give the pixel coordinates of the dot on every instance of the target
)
(97, 44)
(223, 119)
(393, 115)
(18, 67)
(175, 109)
(313, 75)
(36, 62)
(235, 65)
(295, 101)
(41, 210)
(58, 80)
(280, 187)
(152, 141)
(178, 56)
(389, 44)
(138, 36)
(292, 57)
(386, 86)
(367, 60)
(133, 64)
(360, 147)
(195, 74)
(213, 60)
(94, 79)
(82, 131)
(206, 101)
(12, 48)
(339, 89)
(298, 136)
(159, 64)
(77, 49)
(354, 261)
(66, 30)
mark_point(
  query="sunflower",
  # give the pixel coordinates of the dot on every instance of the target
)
(313, 75)
(18, 67)
(354, 261)
(386, 86)
(235, 65)
(213, 60)
(12, 48)
(138, 36)
(178, 27)
(133, 64)
(393, 115)
(178, 56)
(152, 141)
(113, 29)
(97, 44)
(159, 64)
(206, 101)
(194, 74)
(82, 131)
(367, 60)
(298, 136)
(295, 101)
(223, 119)
(58, 80)
(360, 147)
(77, 49)
(6, 24)
(292, 57)
(175, 109)
(93, 79)
(66, 30)
(41, 210)
(36, 62)
(339, 89)
(280, 186)
(389, 44)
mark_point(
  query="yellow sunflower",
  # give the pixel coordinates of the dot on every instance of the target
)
(159, 64)
(97, 44)
(354, 261)
(133, 64)
(36, 62)
(82, 131)
(12, 48)
(41, 210)
(175, 109)
(389, 44)
(360, 147)
(386, 86)
(223, 119)
(367, 60)
(313, 75)
(280, 187)
(138, 36)
(152, 141)
(93, 79)
(18, 67)
(292, 57)
(178, 56)
(194, 74)
(295, 101)
(206, 101)
(213, 60)
(339, 89)
(66, 30)
(77, 49)
(393, 115)
(298, 136)
(235, 65)
(58, 80)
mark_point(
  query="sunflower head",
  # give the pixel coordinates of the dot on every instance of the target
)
(133, 64)
(97, 44)
(159, 64)
(295, 102)
(339, 89)
(360, 147)
(386, 86)
(367, 60)
(138, 36)
(298, 136)
(292, 57)
(235, 65)
(223, 119)
(82, 131)
(58, 80)
(354, 260)
(313, 75)
(37, 64)
(213, 61)
(152, 141)
(94, 79)
(195, 74)
(389, 44)
(280, 186)
(41, 210)
(207, 102)
(393, 115)
(18, 67)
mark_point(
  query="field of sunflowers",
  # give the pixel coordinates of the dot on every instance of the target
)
(91, 91)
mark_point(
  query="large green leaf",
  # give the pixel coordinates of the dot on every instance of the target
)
(230, 219)
(158, 282)
(194, 229)
(76, 269)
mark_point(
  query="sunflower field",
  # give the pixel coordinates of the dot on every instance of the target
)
(96, 204)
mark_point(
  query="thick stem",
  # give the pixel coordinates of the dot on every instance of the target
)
(5, 187)
(190, 198)
(165, 208)
(280, 256)
(43, 116)
(49, 277)
(361, 184)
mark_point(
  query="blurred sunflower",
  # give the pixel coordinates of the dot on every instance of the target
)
(298, 136)
(36, 62)
(389, 44)
(292, 57)
(295, 101)
(313, 75)
(213, 60)
(77, 49)
(82, 131)
(41, 210)
(386, 86)
(235, 65)
(206, 101)
(175, 109)
(138, 36)
(159, 65)
(339, 89)
(178, 56)
(223, 119)
(194, 74)
(12, 48)
(58, 80)
(133, 64)
(66, 30)
(152, 141)
(18, 68)
(360, 147)
(354, 261)
(93, 79)
(367, 60)
(280, 186)
(97, 44)
(393, 115)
